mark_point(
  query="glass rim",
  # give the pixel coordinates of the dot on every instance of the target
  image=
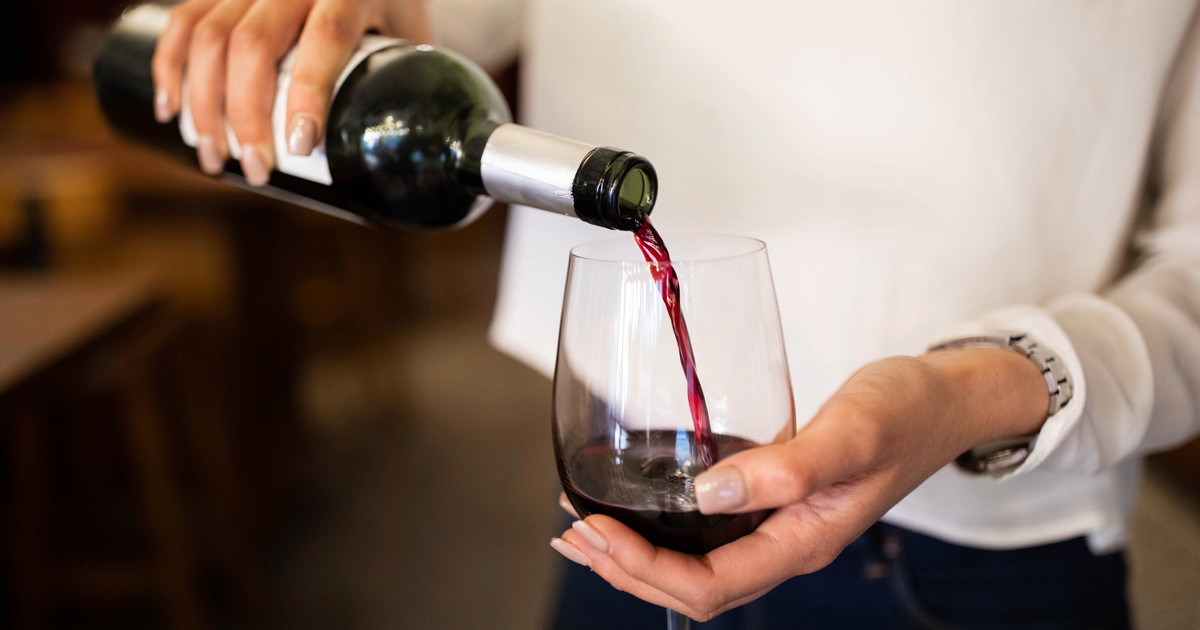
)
(753, 246)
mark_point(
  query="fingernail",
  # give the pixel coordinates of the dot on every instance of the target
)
(162, 106)
(720, 491)
(302, 135)
(593, 537)
(254, 165)
(565, 504)
(211, 161)
(569, 552)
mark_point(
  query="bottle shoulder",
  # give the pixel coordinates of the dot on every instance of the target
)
(418, 84)
(406, 130)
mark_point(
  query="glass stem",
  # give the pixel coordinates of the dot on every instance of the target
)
(678, 621)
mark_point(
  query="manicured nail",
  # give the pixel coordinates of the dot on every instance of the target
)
(720, 491)
(565, 504)
(162, 106)
(302, 135)
(211, 160)
(255, 165)
(569, 552)
(593, 537)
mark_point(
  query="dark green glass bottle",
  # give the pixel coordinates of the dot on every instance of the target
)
(417, 137)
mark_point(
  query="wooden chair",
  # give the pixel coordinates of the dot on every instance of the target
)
(48, 325)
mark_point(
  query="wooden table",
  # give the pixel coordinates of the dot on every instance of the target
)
(46, 318)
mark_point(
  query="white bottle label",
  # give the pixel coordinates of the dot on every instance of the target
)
(313, 167)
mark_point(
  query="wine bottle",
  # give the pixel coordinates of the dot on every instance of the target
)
(417, 137)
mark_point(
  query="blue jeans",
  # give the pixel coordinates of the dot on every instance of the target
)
(893, 578)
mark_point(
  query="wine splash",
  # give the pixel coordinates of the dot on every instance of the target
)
(655, 251)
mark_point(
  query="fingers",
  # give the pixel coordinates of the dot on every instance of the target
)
(637, 557)
(576, 549)
(326, 44)
(170, 55)
(698, 587)
(230, 49)
(839, 443)
(256, 44)
(566, 505)
(206, 81)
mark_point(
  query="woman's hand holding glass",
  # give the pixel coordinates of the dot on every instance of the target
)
(890, 426)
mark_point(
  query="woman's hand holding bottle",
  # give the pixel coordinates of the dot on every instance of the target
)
(229, 51)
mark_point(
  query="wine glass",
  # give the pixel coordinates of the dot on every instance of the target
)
(625, 431)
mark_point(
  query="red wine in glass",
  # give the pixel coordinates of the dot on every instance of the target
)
(655, 250)
(649, 476)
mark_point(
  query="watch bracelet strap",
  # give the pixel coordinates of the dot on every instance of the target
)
(999, 456)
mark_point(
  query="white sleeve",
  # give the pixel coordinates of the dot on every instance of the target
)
(488, 32)
(1134, 349)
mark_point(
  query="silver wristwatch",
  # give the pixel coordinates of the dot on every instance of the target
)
(997, 457)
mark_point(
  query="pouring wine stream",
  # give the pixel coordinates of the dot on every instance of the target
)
(655, 251)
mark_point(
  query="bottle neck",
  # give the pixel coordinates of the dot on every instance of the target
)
(528, 167)
(606, 187)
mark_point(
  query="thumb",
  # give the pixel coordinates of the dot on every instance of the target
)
(828, 450)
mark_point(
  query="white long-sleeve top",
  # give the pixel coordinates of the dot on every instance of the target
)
(914, 168)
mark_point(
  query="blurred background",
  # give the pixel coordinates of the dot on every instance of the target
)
(220, 411)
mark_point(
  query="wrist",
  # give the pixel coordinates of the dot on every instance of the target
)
(995, 392)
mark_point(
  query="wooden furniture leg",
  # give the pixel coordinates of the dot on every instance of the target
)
(148, 444)
(211, 442)
(30, 515)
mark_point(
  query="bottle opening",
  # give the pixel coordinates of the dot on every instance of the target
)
(615, 189)
(636, 195)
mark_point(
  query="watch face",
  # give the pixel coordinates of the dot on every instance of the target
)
(995, 461)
